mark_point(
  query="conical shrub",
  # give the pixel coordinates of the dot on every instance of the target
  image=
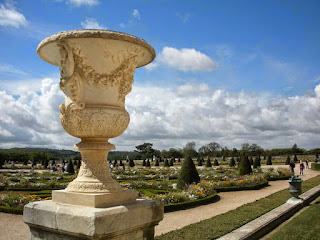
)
(171, 162)
(208, 163)
(215, 163)
(232, 162)
(156, 163)
(288, 160)
(188, 174)
(199, 162)
(295, 159)
(166, 163)
(256, 162)
(244, 166)
(131, 163)
(148, 163)
(269, 160)
(144, 162)
(70, 168)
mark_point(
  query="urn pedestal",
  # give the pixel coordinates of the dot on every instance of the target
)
(97, 68)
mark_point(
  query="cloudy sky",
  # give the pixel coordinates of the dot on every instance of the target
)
(226, 71)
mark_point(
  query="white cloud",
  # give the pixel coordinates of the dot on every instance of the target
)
(170, 117)
(91, 23)
(79, 3)
(7, 68)
(135, 13)
(9, 17)
(184, 17)
(185, 59)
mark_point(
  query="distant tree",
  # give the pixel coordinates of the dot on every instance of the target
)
(244, 166)
(232, 163)
(208, 163)
(269, 160)
(70, 168)
(215, 163)
(288, 160)
(189, 149)
(295, 159)
(188, 173)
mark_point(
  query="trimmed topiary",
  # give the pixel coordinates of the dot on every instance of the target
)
(78, 164)
(120, 163)
(171, 162)
(70, 168)
(251, 161)
(144, 162)
(148, 163)
(295, 159)
(215, 163)
(115, 162)
(199, 162)
(232, 162)
(208, 163)
(166, 163)
(288, 160)
(156, 163)
(269, 160)
(131, 163)
(244, 166)
(188, 174)
(179, 160)
(256, 162)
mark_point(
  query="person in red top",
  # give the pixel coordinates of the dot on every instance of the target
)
(301, 168)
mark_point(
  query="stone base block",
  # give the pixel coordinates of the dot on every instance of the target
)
(97, 200)
(131, 221)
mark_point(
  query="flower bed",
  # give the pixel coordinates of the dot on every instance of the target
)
(14, 203)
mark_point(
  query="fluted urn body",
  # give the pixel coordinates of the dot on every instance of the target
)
(97, 68)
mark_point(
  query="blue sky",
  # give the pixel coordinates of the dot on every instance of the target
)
(210, 54)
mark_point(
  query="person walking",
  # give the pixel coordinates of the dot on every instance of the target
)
(292, 166)
(301, 167)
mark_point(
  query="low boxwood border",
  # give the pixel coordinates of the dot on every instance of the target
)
(12, 210)
(278, 178)
(242, 188)
(190, 204)
(315, 166)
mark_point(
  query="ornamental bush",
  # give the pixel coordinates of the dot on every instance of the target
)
(144, 162)
(148, 163)
(199, 162)
(131, 163)
(288, 160)
(171, 161)
(70, 168)
(232, 162)
(215, 163)
(188, 174)
(295, 159)
(208, 163)
(256, 162)
(156, 163)
(166, 163)
(244, 166)
(269, 160)
(251, 161)
(78, 164)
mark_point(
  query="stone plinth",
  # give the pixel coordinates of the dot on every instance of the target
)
(131, 221)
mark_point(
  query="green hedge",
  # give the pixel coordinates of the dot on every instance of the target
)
(190, 204)
(12, 210)
(242, 188)
(315, 166)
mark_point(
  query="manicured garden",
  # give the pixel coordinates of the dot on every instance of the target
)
(157, 183)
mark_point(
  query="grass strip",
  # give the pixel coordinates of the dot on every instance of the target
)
(222, 224)
(305, 226)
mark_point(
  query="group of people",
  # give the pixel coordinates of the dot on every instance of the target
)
(292, 165)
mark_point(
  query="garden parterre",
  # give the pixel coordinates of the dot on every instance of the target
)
(154, 183)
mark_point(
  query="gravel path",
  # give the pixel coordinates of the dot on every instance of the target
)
(13, 227)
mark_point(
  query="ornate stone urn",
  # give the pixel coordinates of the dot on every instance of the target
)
(97, 68)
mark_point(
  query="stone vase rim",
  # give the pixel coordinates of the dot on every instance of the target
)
(95, 33)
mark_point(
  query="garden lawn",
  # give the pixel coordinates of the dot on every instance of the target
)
(222, 224)
(305, 226)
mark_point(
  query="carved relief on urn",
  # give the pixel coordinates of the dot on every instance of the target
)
(97, 68)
